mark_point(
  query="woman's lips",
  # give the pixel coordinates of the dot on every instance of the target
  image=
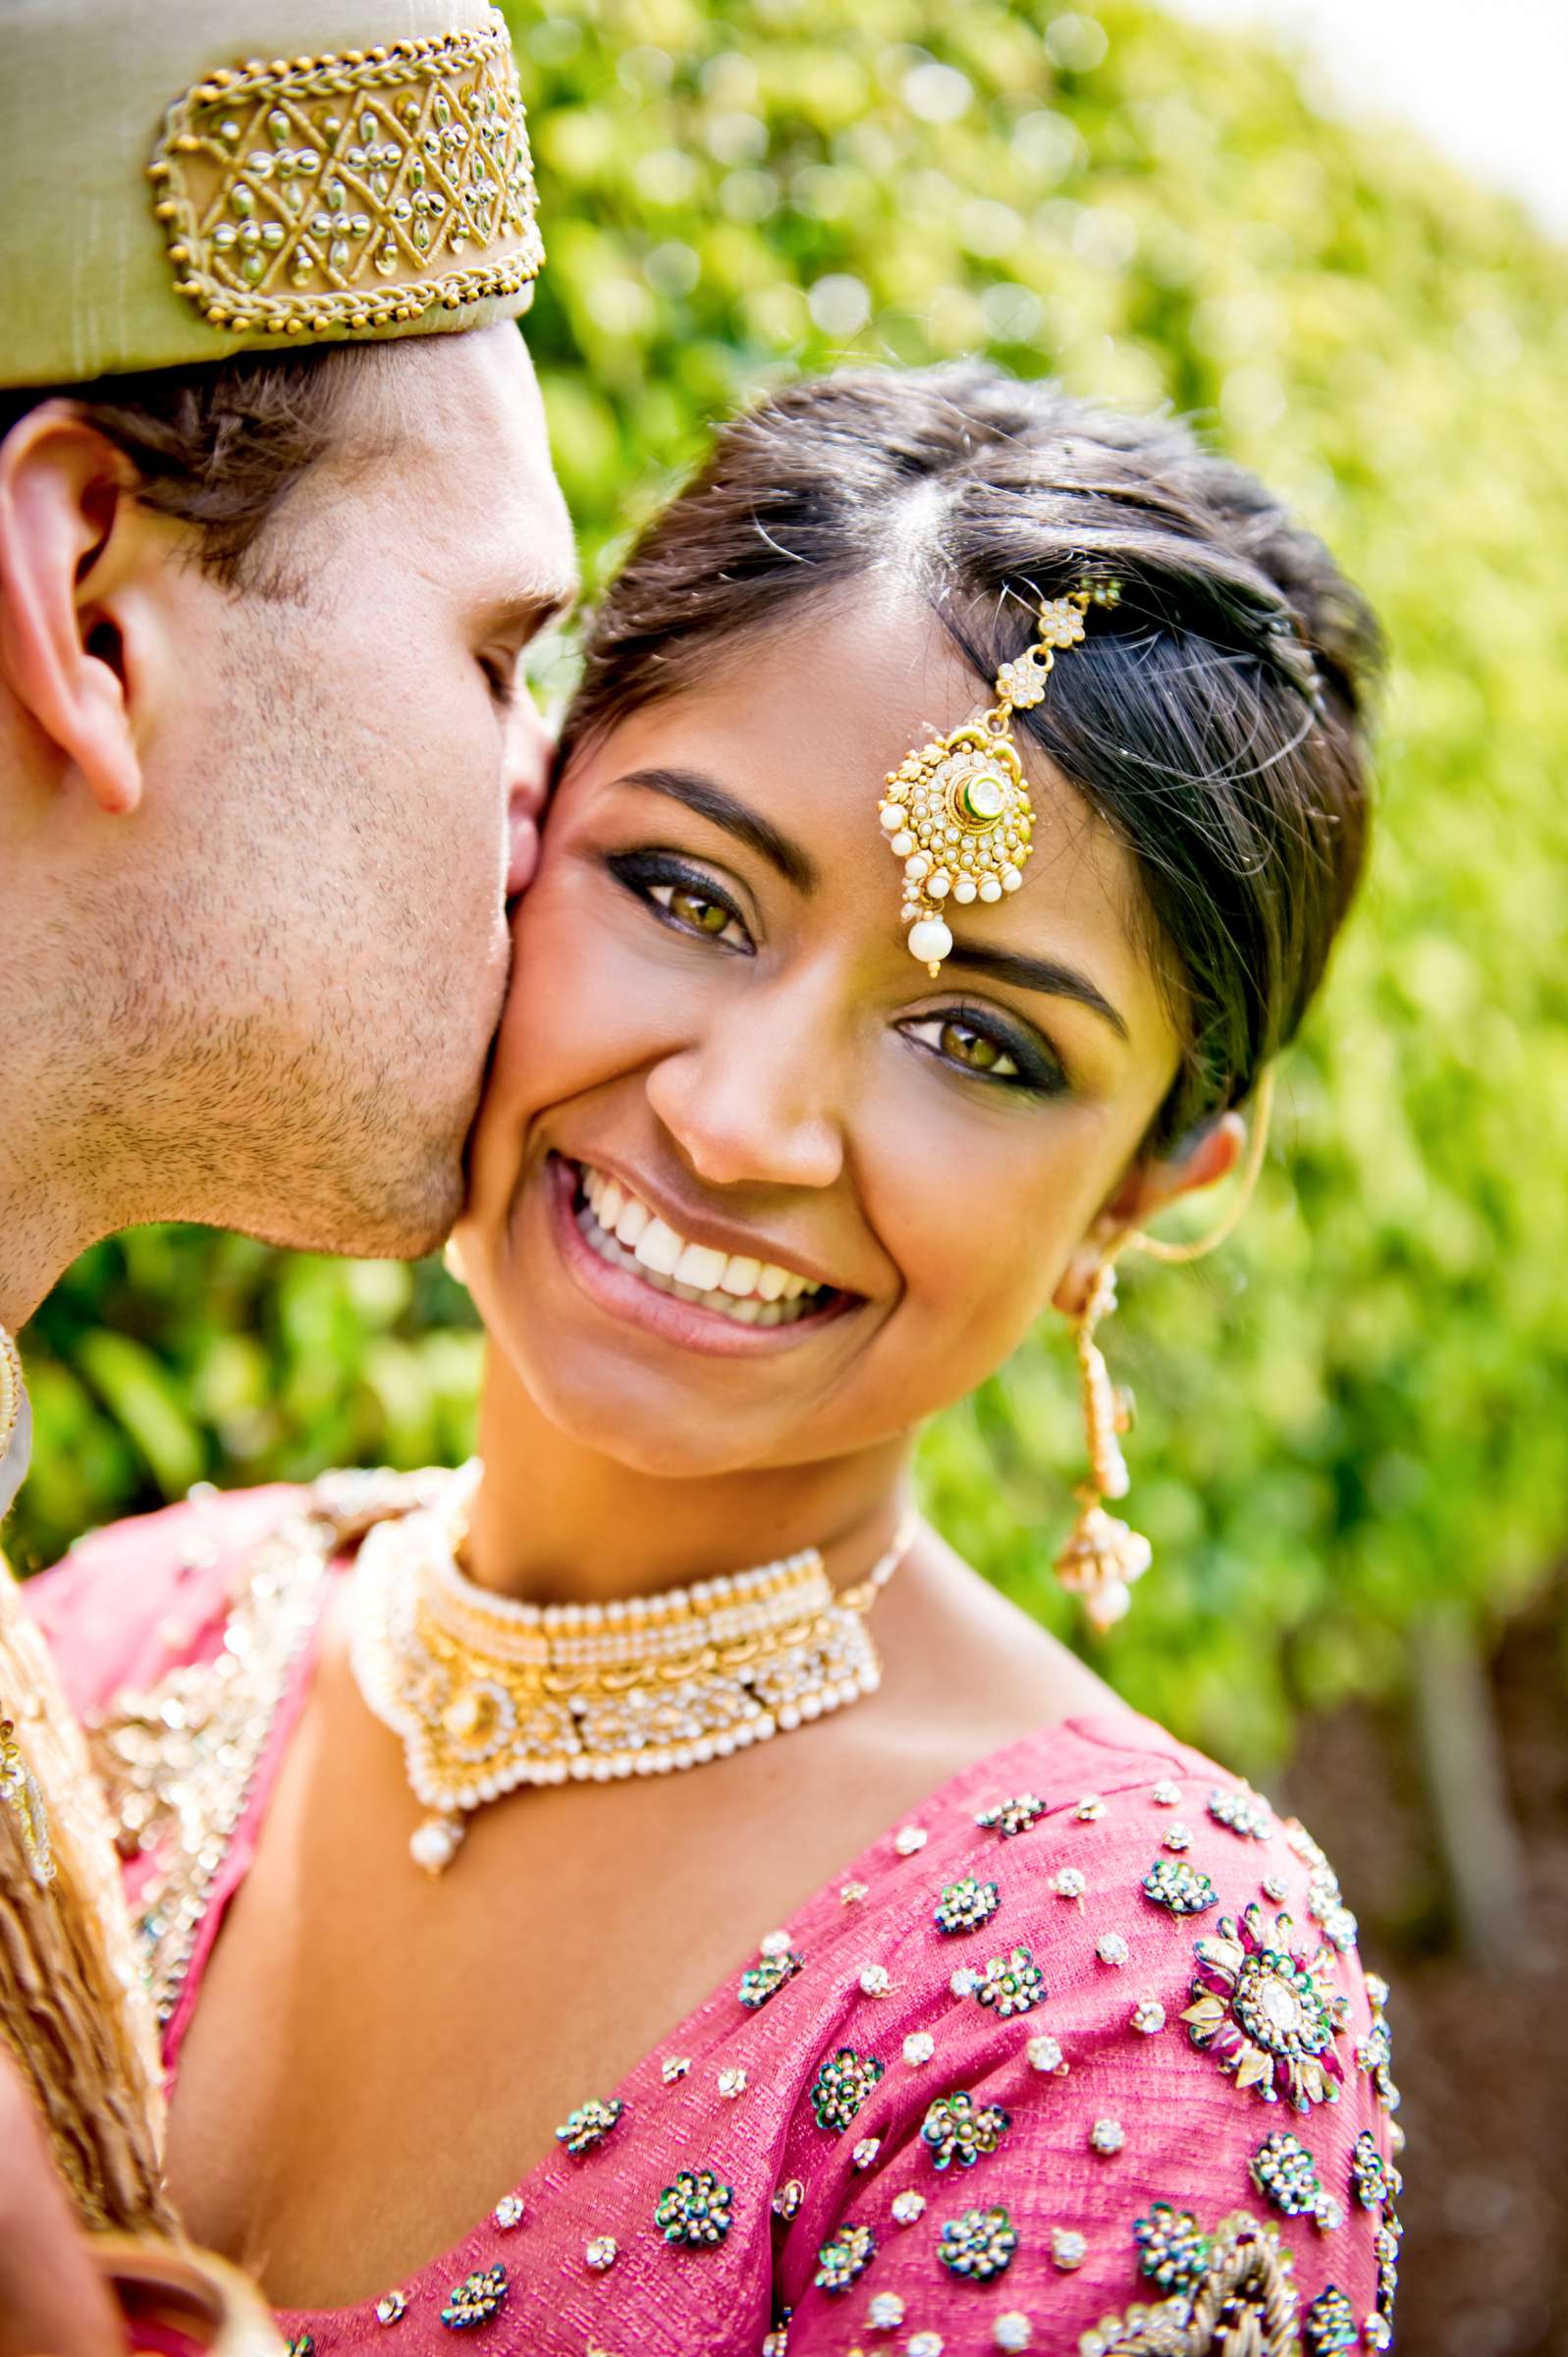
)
(638, 1301)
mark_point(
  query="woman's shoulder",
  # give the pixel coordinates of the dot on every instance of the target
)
(1100, 1977)
(136, 1597)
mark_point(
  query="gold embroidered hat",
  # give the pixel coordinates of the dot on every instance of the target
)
(182, 182)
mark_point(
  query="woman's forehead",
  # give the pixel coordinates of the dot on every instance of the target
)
(804, 720)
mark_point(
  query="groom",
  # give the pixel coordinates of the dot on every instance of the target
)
(276, 524)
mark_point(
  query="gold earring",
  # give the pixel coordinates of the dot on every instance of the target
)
(956, 812)
(1103, 1556)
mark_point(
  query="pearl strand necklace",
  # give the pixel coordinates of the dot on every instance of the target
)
(489, 1693)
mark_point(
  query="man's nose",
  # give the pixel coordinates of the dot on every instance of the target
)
(529, 755)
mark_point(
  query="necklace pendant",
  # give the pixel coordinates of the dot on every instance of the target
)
(434, 1843)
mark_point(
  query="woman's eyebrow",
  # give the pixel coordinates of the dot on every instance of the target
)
(709, 800)
(1037, 973)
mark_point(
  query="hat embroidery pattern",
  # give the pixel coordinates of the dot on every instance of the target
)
(350, 190)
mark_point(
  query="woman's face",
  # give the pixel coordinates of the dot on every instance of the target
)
(722, 1078)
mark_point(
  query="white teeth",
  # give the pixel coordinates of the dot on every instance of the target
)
(631, 1222)
(658, 1247)
(625, 1233)
(700, 1265)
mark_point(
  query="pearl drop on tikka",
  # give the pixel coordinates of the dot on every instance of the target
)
(930, 941)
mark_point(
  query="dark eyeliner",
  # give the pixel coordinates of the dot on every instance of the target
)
(636, 872)
(1040, 1071)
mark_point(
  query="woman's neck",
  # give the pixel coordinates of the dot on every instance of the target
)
(556, 1522)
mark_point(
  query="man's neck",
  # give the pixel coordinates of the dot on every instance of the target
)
(42, 1223)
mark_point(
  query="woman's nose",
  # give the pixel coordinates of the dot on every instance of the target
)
(752, 1105)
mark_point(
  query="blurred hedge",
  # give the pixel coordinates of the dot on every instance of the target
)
(1358, 1412)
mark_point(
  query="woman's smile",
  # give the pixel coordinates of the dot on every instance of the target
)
(633, 1263)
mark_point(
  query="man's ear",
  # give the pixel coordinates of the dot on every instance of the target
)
(1147, 1188)
(72, 545)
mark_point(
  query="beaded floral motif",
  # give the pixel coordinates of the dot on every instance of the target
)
(1324, 1902)
(1242, 1812)
(965, 1905)
(845, 2259)
(788, 2198)
(1374, 2052)
(589, 2124)
(1267, 2013)
(1011, 1984)
(1287, 2175)
(694, 2213)
(476, 2299)
(1173, 2248)
(1375, 2180)
(1010, 1817)
(954, 2130)
(841, 2086)
(1175, 1885)
(351, 190)
(763, 1980)
(979, 2245)
(1243, 2300)
(1330, 2325)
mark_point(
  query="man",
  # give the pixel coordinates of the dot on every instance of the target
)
(277, 522)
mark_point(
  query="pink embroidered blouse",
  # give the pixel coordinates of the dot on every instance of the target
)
(1085, 2036)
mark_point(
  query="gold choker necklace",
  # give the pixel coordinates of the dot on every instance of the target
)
(488, 1693)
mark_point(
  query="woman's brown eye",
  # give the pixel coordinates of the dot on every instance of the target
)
(967, 1046)
(693, 910)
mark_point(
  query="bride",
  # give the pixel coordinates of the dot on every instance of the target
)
(648, 1894)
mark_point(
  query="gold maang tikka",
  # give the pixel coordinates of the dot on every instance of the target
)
(956, 812)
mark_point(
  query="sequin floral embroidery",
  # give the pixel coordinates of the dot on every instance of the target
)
(978, 2245)
(694, 2212)
(841, 2086)
(1173, 2248)
(965, 1905)
(476, 2299)
(1175, 1885)
(1373, 2180)
(845, 2259)
(763, 1980)
(954, 2130)
(589, 2124)
(1330, 2327)
(1011, 1984)
(1009, 1816)
(1268, 2014)
(1285, 2173)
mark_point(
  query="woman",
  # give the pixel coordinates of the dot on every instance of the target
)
(975, 2011)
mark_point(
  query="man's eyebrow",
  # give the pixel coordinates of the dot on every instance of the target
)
(709, 800)
(1045, 974)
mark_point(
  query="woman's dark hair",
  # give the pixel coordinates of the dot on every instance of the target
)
(1214, 717)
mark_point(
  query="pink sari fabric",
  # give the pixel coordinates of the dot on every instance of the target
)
(957, 2106)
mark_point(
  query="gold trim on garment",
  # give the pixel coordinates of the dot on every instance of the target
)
(179, 1759)
(10, 1391)
(351, 190)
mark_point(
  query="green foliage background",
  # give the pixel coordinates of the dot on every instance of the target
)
(1356, 1416)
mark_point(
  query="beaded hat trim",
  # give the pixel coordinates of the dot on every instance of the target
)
(351, 190)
